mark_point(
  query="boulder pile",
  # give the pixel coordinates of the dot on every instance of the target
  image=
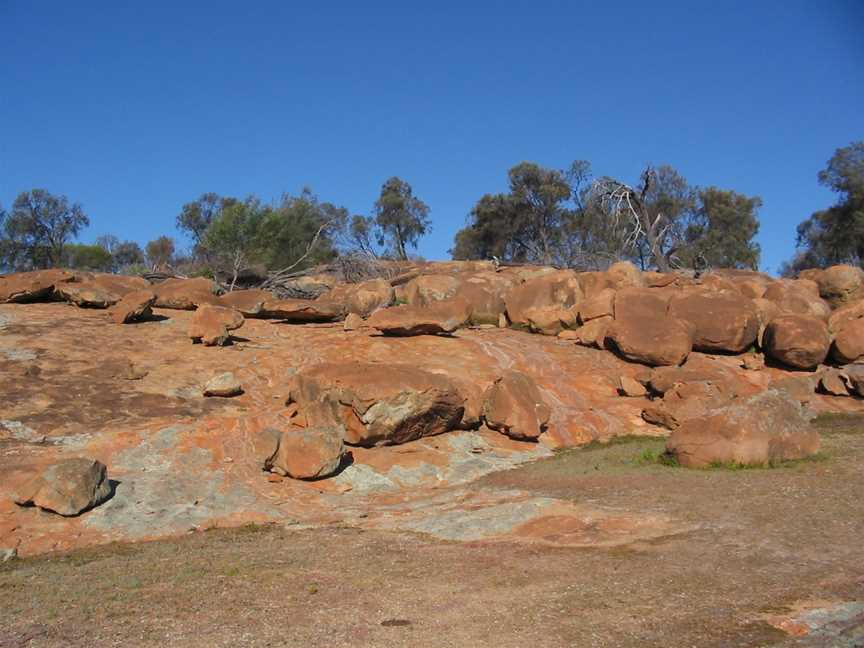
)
(671, 324)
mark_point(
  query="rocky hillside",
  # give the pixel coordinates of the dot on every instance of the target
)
(134, 410)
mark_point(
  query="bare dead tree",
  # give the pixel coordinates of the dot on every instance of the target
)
(627, 206)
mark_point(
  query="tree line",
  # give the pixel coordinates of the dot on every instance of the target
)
(566, 218)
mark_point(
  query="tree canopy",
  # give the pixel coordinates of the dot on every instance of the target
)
(38, 228)
(400, 218)
(564, 218)
(836, 234)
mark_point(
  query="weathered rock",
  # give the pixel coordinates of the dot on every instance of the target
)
(653, 341)
(69, 487)
(513, 406)
(840, 284)
(378, 404)
(631, 387)
(212, 325)
(551, 320)
(753, 361)
(800, 388)
(134, 306)
(224, 384)
(301, 311)
(485, 292)
(844, 315)
(797, 341)
(249, 303)
(798, 297)
(353, 322)
(442, 317)
(720, 321)
(86, 295)
(641, 304)
(624, 274)
(185, 294)
(601, 304)
(833, 382)
(848, 343)
(427, 289)
(32, 286)
(855, 378)
(306, 453)
(590, 334)
(555, 291)
(684, 401)
(761, 430)
(367, 297)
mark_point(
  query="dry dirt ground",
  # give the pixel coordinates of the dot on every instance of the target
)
(762, 549)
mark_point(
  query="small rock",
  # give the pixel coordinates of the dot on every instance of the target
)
(833, 382)
(68, 487)
(753, 362)
(224, 384)
(307, 453)
(628, 386)
(353, 322)
(212, 325)
(8, 553)
(513, 406)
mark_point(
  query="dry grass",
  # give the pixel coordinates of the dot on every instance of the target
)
(764, 539)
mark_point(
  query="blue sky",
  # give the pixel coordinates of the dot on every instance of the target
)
(133, 109)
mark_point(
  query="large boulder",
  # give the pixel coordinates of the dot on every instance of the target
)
(720, 321)
(442, 317)
(377, 404)
(513, 406)
(554, 292)
(69, 487)
(185, 294)
(848, 343)
(87, 295)
(426, 289)
(844, 315)
(643, 332)
(485, 292)
(306, 453)
(841, 284)
(133, 307)
(367, 297)
(602, 304)
(624, 274)
(32, 286)
(798, 297)
(761, 430)
(211, 325)
(304, 311)
(249, 303)
(797, 341)
(591, 334)
(683, 401)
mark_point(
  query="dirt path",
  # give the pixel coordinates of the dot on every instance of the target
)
(762, 545)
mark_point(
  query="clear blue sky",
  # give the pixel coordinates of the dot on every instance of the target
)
(134, 110)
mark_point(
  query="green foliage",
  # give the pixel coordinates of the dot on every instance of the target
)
(562, 218)
(400, 218)
(38, 228)
(87, 257)
(836, 234)
(298, 233)
(722, 230)
(195, 217)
